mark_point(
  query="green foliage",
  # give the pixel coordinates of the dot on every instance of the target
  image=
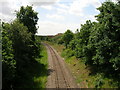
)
(67, 37)
(21, 44)
(44, 38)
(29, 18)
(58, 39)
(105, 37)
(98, 43)
(8, 62)
(82, 38)
(99, 81)
(72, 44)
(67, 53)
(20, 47)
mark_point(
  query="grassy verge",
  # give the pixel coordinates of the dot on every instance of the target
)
(81, 72)
(42, 79)
(35, 76)
(83, 76)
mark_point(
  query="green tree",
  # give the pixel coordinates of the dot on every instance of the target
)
(82, 38)
(29, 18)
(21, 39)
(104, 42)
(74, 42)
(20, 47)
(8, 61)
(67, 37)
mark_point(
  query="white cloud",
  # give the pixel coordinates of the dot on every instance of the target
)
(41, 2)
(62, 6)
(95, 3)
(62, 11)
(7, 18)
(52, 28)
(55, 16)
(77, 7)
(48, 7)
(8, 7)
(7, 12)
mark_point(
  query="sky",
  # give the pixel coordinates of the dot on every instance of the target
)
(55, 16)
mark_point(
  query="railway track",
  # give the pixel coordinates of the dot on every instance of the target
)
(59, 75)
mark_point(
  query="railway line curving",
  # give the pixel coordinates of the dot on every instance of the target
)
(58, 74)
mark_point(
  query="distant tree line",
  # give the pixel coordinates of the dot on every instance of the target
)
(19, 46)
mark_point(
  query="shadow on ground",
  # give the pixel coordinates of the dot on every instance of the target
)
(30, 76)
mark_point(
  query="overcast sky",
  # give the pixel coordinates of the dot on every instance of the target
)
(55, 16)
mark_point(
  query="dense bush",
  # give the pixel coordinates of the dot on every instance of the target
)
(67, 37)
(8, 61)
(98, 43)
(20, 47)
(104, 40)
